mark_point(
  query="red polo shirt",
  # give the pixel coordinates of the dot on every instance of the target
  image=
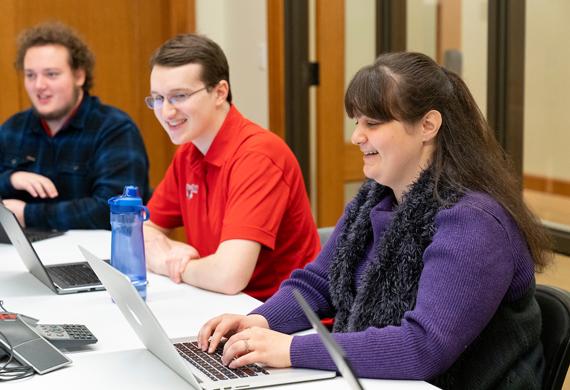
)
(248, 186)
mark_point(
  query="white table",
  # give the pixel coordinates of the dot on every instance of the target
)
(119, 359)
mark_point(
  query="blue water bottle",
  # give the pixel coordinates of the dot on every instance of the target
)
(127, 243)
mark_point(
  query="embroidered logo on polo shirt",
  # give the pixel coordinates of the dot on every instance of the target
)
(191, 190)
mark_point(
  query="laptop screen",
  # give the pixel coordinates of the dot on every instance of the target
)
(335, 351)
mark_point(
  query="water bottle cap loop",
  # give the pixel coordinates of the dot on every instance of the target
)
(129, 202)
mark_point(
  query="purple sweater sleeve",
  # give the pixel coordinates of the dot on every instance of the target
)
(468, 270)
(282, 311)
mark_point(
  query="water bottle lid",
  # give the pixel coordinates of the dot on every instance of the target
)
(129, 201)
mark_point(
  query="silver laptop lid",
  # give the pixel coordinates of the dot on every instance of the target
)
(24, 247)
(335, 351)
(139, 316)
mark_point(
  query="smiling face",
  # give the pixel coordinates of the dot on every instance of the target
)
(394, 152)
(196, 118)
(53, 87)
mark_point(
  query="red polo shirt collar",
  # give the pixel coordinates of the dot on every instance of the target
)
(224, 143)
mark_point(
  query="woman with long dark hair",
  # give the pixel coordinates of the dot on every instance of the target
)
(429, 273)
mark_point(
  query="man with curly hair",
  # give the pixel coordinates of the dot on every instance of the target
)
(64, 157)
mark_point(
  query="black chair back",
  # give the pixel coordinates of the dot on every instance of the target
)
(555, 306)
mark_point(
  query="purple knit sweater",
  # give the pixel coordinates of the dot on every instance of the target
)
(476, 260)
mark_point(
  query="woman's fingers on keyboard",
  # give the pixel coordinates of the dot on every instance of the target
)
(214, 330)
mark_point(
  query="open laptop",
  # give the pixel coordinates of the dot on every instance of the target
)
(32, 234)
(200, 369)
(61, 278)
(335, 351)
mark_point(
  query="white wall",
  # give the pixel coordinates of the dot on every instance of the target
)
(239, 27)
(421, 26)
(474, 27)
(360, 44)
(547, 89)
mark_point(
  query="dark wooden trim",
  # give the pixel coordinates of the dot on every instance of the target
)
(390, 26)
(276, 65)
(330, 113)
(496, 65)
(547, 184)
(297, 82)
(505, 83)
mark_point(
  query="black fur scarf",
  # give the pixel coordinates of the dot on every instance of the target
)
(390, 283)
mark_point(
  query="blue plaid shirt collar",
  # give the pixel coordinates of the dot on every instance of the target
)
(77, 121)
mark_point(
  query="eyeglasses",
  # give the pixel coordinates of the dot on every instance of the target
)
(155, 103)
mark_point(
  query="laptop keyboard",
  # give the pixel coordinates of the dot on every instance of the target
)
(38, 235)
(32, 235)
(73, 275)
(211, 364)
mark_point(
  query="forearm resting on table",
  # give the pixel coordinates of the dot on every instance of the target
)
(227, 271)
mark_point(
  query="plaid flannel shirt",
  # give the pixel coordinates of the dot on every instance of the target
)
(98, 151)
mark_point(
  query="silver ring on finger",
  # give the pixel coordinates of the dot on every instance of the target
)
(247, 349)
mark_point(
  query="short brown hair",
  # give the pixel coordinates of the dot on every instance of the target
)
(55, 33)
(195, 49)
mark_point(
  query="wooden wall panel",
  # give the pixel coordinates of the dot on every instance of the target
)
(122, 34)
(10, 92)
(182, 16)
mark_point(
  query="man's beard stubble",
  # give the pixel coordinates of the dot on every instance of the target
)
(62, 112)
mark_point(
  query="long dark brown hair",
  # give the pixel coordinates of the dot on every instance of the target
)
(404, 87)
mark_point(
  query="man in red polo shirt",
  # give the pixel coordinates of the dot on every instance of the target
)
(235, 187)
